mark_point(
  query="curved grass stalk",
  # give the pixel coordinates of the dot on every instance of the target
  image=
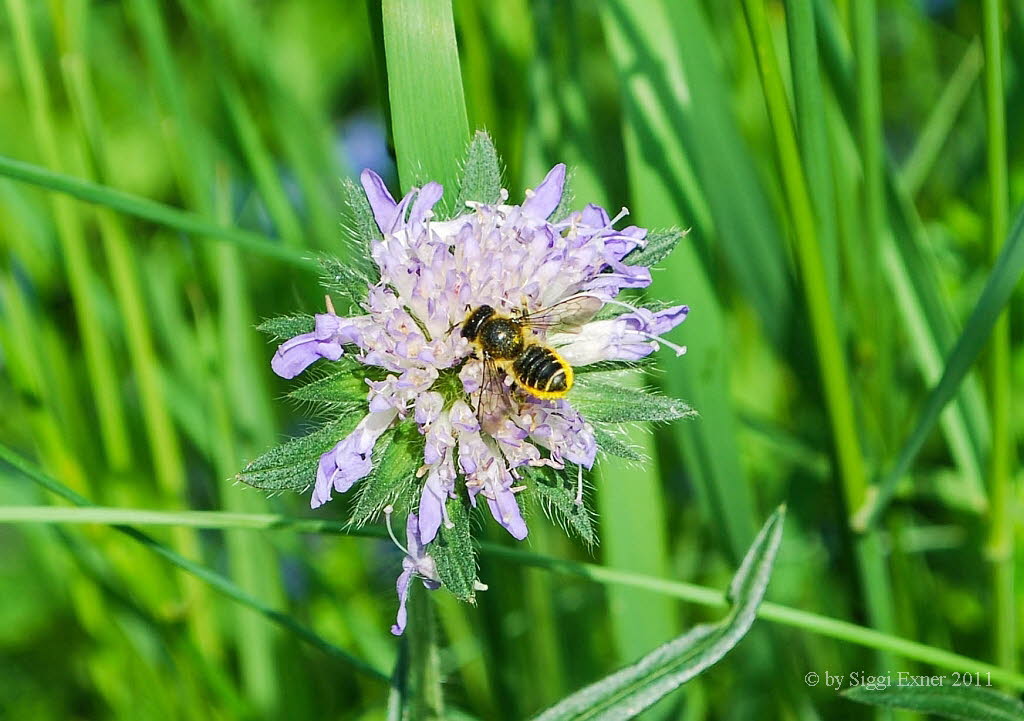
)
(804, 620)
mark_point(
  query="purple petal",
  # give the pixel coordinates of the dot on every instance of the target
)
(665, 320)
(298, 353)
(326, 325)
(322, 488)
(412, 537)
(381, 202)
(402, 586)
(295, 355)
(619, 245)
(426, 199)
(390, 216)
(548, 194)
(506, 512)
(431, 511)
(594, 216)
(608, 285)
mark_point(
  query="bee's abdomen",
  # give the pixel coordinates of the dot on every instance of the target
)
(542, 371)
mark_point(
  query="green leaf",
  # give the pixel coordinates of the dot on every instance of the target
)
(397, 457)
(292, 466)
(454, 554)
(660, 243)
(481, 174)
(626, 693)
(287, 326)
(599, 400)
(608, 440)
(344, 384)
(969, 703)
(559, 501)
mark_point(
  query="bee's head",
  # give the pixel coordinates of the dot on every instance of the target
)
(475, 319)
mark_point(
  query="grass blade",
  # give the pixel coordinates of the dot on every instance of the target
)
(428, 108)
(925, 309)
(626, 693)
(152, 211)
(809, 103)
(1000, 374)
(100, 365)
(996, 294)
(943, 117)
(666, 191)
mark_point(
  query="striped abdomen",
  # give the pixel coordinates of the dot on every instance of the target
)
(542, 372)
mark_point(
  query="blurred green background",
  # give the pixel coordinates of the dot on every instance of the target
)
(133, 374)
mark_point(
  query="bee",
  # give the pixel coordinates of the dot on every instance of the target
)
(513, 344)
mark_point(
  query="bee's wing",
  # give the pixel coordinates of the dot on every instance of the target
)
(494, 399)
(567, 315)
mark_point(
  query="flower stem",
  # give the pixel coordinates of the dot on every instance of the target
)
(424, 661)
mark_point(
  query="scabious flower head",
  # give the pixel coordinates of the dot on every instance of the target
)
(432, 272)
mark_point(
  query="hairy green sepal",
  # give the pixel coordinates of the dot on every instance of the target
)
(343, 386)
(556, 492)
(602, 400)
(660, 243)
(284, 327)
(609, 441)
(481, 173)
